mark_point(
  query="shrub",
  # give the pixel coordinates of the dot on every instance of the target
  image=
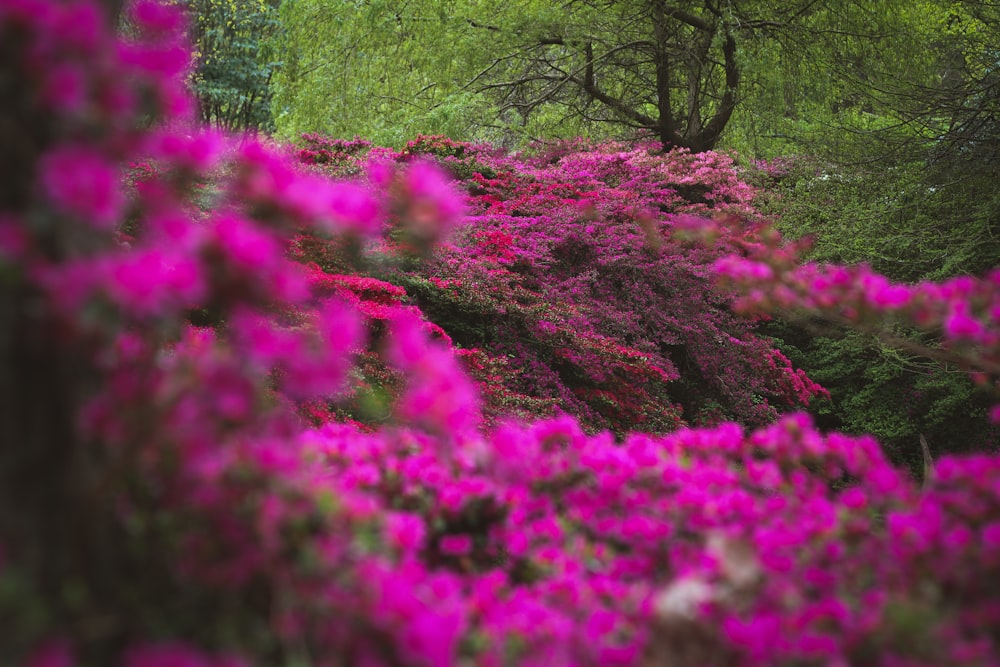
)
(567, 274)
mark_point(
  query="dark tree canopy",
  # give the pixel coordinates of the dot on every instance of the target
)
(674, 69)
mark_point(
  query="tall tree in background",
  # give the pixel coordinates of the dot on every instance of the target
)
(905, 181)
(908, 133)
(672, 68)
(473, 69)
(959, 120)
(233, 47)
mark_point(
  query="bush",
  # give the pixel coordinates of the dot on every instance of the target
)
(566, 274)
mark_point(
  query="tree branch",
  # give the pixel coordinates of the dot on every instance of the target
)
(713, 129)
(690, 19)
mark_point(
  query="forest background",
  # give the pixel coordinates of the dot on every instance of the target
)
(869, 127)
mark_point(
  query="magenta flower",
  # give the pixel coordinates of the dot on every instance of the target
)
(355, 208)
(200, 151)
(152, 281)
(960, 325)
(456, 545)
(405, 531)
(158, 19)
(248, 246)
(434, 206)
(444, 400)
(83, 183)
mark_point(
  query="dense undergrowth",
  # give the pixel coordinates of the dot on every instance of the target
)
(238, 429)
(880, 378)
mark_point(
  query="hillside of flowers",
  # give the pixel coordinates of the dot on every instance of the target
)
(564, 289)
(252, 415)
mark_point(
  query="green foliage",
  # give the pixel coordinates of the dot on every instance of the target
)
(883, 215)
(235, 61)
(896, 190)
(856, 84)
(517, 70)
(835, 77)
(896, 396)
(386, 70)
(893, 220)
(906, 136)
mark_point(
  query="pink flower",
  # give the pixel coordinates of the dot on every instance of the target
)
(456, 545)
(356, 208)
(158, 18)
(79, 27)
(517, 543)
(151, 281)
(83, 183)
(854, 498)
(960, 325)
(883, 294)
(251, 249)
(380, 173)
(434, 207)
(441, 397)
(991, 536)
(200, 151)
(164, 64)
(406, 531)
(261, 341)
(320, 365)
(263, 176)
(337, 206)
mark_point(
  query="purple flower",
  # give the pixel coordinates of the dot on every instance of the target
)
(83, 183)
(456, 545)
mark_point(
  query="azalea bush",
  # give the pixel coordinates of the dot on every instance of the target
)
(173, 493)
(566, 280)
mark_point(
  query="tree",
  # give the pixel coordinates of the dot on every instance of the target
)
(677, 70)
(234, 61)
(671, 70)
(905, 183)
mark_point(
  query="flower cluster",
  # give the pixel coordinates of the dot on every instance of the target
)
(567, 271)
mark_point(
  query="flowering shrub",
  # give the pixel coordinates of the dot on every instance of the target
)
(566, 274)
(163, 501)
